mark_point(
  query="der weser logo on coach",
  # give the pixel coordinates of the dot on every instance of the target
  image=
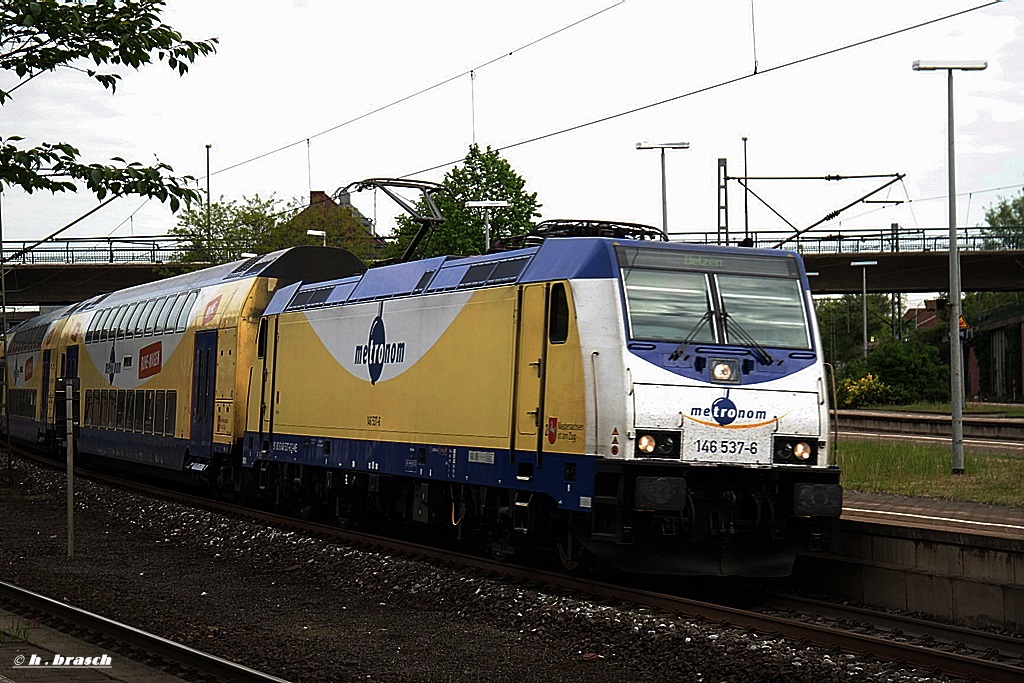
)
(378, 352)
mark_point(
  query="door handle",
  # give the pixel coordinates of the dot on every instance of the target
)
(536, 421)
(536, 365)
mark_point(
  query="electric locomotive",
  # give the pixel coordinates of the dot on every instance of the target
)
(659, 406)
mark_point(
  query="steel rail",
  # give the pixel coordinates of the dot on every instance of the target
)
(851, 642)
(188, 657)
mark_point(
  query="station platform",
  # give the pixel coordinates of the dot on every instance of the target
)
(940, 515)
(31, 652)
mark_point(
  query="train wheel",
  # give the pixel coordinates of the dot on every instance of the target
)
(572, 554)
(500, 546)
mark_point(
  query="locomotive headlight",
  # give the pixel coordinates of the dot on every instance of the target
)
(726, 370)
(657, 444)
(802, 450)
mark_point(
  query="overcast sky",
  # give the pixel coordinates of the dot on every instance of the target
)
(290, 70)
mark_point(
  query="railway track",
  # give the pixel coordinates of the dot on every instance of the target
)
(914, 642)
(180, 660)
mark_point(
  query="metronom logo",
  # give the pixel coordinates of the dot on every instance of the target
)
(377, 351)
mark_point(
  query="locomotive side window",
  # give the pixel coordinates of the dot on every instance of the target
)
(261, 340)
(558, 322)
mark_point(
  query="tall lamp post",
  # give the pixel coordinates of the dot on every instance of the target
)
(956, 359)
(864, 265)
(487, 205)
(664, 190)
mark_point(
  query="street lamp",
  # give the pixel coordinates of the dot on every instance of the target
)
(956, 359)
(864, 296)
(664, 192)
(318, 233)
(487, 205)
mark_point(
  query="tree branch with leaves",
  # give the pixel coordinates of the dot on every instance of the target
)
(86, 36)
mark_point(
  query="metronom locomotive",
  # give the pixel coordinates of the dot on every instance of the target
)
(659, 406)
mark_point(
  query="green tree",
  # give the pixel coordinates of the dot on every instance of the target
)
(40, 36)
(225, 230)
(1006, 223)
(483, 175)
(258, 226)
(841, 322)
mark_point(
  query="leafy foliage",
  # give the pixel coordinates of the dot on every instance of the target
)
(894, 373)
(41, 36)
(1006, 223)
(862, 392)
(841, 322)
(484, 175)
(256, 225)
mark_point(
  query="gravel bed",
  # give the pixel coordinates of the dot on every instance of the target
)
(306, 609)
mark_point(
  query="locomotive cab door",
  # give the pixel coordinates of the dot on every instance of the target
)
(204, 379)
(530, 362)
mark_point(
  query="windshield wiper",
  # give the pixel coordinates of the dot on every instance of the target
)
(746, 339)
(688, 339)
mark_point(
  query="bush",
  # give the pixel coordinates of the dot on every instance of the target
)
(865, 391)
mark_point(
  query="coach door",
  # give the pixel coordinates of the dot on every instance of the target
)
(204, 381)
(529, 391)
(45, 391)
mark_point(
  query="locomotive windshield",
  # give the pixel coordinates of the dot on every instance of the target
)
(713, 298)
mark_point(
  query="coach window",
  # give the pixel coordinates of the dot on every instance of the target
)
(140, 324)
(133, 322)
(88, 408)
(159, 414)
(173, 311)
(558, 324)
(112, 409)
(129, 411)
(154, 314)
(122, 327)
(91, 330)
(101, 322)
(261, 340)
(186, 309)
(108, 324)
(118, 321)
(147, 426)
(102, 422)
(171, 414)
(120, 410)
(140, 403)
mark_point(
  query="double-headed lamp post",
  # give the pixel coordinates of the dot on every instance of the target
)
(664, 189)
(864, 265)
(318, 233)
(956, 359)
(487, 205)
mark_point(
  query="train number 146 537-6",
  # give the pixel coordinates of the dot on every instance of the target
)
(725, 446)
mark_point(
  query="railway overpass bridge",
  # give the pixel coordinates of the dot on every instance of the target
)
(909, 261)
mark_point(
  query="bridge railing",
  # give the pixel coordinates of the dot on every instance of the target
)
(858, 241)
(142, 249)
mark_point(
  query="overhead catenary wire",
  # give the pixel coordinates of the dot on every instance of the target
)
(720, 84)
(468, 72)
